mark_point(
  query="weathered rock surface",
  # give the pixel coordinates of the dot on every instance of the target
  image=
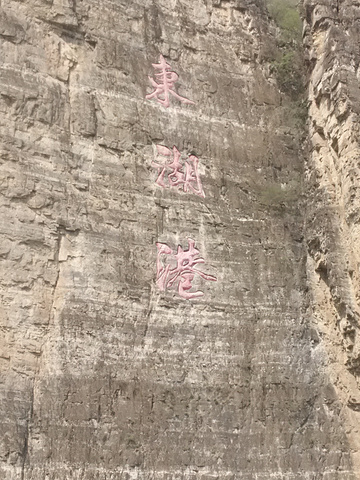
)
(333, 233)
(103, 376)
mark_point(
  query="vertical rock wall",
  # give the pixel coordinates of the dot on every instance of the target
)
(102, 375)
(333, 233)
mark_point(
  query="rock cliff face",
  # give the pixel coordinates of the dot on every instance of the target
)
(333, 186)
(104, 375)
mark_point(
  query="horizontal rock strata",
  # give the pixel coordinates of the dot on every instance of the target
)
(104, 376)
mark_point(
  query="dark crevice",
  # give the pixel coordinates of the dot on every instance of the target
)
(25, 450)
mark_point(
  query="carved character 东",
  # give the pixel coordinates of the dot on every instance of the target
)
(164, 83)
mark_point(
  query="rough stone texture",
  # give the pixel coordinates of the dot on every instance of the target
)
(103, 376)
(333, 233)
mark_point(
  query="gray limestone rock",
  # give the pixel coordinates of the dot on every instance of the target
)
(102, 374)
(332, 213)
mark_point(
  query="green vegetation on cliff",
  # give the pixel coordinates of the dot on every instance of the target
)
(288, 63)
(286, 15)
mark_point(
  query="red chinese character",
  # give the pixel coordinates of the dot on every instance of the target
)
(172, 174)
(183, 271)
(164, 84)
